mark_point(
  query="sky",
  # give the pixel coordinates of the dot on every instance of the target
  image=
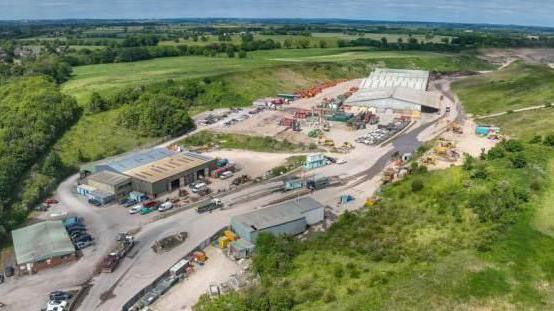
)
(518, 12)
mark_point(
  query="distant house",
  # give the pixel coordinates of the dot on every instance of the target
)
(42, 245)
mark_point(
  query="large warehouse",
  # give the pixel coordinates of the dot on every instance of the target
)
(403, 91)
(152, 172)
(289, 218)
(42, 245)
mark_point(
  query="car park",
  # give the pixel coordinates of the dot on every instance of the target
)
(59, 295)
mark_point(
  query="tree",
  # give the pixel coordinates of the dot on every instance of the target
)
(230, 52)
(52, 165)
(384, 42)
(519, 161)
(242, 54)
(323, 44)
(417, 185)
(287, 43)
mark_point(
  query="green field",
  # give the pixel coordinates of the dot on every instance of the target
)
(246, 142)
(525, 125)
(520, 85)
(105, 78)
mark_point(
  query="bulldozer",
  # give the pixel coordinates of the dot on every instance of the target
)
(326, 141)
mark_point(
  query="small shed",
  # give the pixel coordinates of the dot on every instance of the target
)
(281, 219)
(315, 160)
(241, 249)
(42, 245)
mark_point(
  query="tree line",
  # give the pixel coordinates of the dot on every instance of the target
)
(34, 115)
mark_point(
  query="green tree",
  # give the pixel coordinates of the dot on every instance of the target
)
(96, 104)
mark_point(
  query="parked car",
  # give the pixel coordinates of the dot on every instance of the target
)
(56, 305)
(226, 175)
(165, 207)
(341, 161)
(135, 209)
(59, 295)
(153, 205)
(129, 203)
(9, 271)
(84, 238)
(94, 202)
(51, 201)
(199, 187)
(84, 244)
(145, 210)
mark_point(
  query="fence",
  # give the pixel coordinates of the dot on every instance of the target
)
(133, 300)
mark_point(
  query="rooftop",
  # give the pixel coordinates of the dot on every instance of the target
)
(168, 166)
(109, 178)
(304, 204)
(270, 216)
(390, 78)
(138, 159)
(418, 97)
(41, 241)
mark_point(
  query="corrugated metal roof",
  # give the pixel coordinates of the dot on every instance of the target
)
(168, 166)
(138, 159)
(385, 78)
(41, 241)
(109, 178)
(269, 217)
(423, 98)
(305, 204)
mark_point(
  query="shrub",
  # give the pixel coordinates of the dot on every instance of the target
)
(469, 162)
(512, 145)
(417, 185)
(519, 161)
(536, 139)
(549, 140)
(495, 153)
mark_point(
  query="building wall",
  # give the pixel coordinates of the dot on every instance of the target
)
(185, 178)
(120, 190)
(241, 230)
(314, 216)
(35, 267)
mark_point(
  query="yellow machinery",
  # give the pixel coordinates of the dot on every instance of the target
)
(428, 160)
(326, 141)
(230, 235)
(223, 242)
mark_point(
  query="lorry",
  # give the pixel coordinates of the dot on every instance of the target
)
(210, 206)
(317, 182)
(112, 260)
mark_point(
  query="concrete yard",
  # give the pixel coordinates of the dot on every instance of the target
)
(185, 294)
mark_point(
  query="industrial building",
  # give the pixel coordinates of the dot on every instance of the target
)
(42, 245)
(151, 172)
(403, 91)
(289, 218)
(111, 182)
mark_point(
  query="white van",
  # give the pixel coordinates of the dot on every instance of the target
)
(199, 187)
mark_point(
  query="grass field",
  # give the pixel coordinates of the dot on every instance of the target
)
(520, 85)
(525, 125)
(109, 77)
(246, 142)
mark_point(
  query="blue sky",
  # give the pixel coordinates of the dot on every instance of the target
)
(521, 12)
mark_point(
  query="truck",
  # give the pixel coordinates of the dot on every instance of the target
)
(210, 206)
(112, 260)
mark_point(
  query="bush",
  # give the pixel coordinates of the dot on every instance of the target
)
(536, 139)
(519, 161)
(495, 153)
(549, 140)
(512, 145)
(417, 185)
(469, 162)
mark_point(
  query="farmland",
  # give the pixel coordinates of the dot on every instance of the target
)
(109, 77)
